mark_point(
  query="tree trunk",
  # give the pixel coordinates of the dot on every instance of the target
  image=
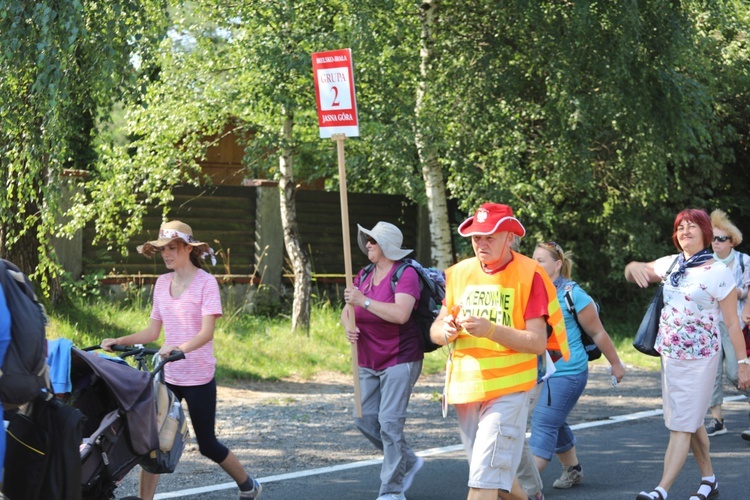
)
(300, 260)
(24, 253)
(441, 249)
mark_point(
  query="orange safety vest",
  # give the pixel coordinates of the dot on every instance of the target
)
(482, 369)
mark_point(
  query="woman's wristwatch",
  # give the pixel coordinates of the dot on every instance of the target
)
(745, 361)
(367, 303)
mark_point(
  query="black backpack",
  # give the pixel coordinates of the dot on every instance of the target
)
(24, 369)
(431, 295)
(592, 351)
(42, 457)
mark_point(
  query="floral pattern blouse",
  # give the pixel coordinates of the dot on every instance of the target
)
(689, 326)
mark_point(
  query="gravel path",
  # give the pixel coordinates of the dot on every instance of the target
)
(281, 427)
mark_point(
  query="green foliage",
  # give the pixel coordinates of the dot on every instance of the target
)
(85, 289)
(596, 121)
(237, 67)
(63, 64)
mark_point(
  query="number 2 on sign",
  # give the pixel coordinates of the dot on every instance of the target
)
(335, 96)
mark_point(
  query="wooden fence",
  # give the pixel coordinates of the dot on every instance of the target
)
(229, 218)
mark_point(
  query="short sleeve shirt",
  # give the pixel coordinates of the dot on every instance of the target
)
(182, 319)
(689, 326)
(579, 360)
(382, 344)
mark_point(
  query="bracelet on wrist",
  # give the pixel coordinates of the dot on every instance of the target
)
(488, 333)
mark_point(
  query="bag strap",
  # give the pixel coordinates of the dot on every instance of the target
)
(397, 275)
(669, 271)
(365, 273)
(394, 277)
(741, 256)
(571, 307)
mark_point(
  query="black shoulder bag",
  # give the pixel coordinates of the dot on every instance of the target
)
(645, 338)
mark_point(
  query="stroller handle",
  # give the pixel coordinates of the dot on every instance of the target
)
(140, 353)
(146, 351)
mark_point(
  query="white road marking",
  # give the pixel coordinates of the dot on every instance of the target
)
(424, 453)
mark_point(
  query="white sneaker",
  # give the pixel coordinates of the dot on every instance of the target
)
(392, 496)
(409, 476)
(254, 493)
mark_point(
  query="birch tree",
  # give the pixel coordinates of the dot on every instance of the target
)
(63, 64)
(425, 133)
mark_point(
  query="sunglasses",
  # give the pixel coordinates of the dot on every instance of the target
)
(554, 246)
(371, 241)
(722, 239)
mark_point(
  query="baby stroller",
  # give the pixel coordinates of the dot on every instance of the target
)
(121, 422)
(119, 425)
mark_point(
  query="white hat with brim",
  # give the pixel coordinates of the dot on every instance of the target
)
(388, 237)
(170, 231)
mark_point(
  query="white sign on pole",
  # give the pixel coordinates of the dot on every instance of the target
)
(334, 93)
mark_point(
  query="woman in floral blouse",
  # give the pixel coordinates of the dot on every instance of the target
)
(696, 294)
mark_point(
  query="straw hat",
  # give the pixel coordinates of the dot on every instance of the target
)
(175, 230)
(389, 239)
(491, 218)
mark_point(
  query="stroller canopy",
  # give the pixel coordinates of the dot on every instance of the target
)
(132, 389)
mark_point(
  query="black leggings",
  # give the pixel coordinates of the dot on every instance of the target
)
(201, 402)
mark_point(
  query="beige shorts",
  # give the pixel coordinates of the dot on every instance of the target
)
(493, 434)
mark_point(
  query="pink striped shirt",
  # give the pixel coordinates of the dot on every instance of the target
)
(181, 318)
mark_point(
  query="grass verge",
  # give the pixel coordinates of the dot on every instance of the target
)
(251, 348)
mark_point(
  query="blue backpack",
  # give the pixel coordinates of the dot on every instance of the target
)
(431, 295)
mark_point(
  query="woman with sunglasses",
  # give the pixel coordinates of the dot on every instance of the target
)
(726, 237)
(389, 350)
(550, 433)
(698, 292)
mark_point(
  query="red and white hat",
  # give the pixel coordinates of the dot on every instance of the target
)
(491, 218)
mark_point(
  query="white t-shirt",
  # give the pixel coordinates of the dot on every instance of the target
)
(182, 319)
(689, 326)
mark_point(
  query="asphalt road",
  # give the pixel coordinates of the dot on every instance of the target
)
(620, 457)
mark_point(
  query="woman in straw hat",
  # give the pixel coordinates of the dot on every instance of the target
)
(186, 304)
(390, 352)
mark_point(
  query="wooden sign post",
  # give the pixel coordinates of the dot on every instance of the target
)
(339, 138)
(337, 119)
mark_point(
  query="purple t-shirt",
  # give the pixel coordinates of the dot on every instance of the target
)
(382, 344)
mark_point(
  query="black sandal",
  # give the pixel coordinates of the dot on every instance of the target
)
(713, 494)
(647, 496)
